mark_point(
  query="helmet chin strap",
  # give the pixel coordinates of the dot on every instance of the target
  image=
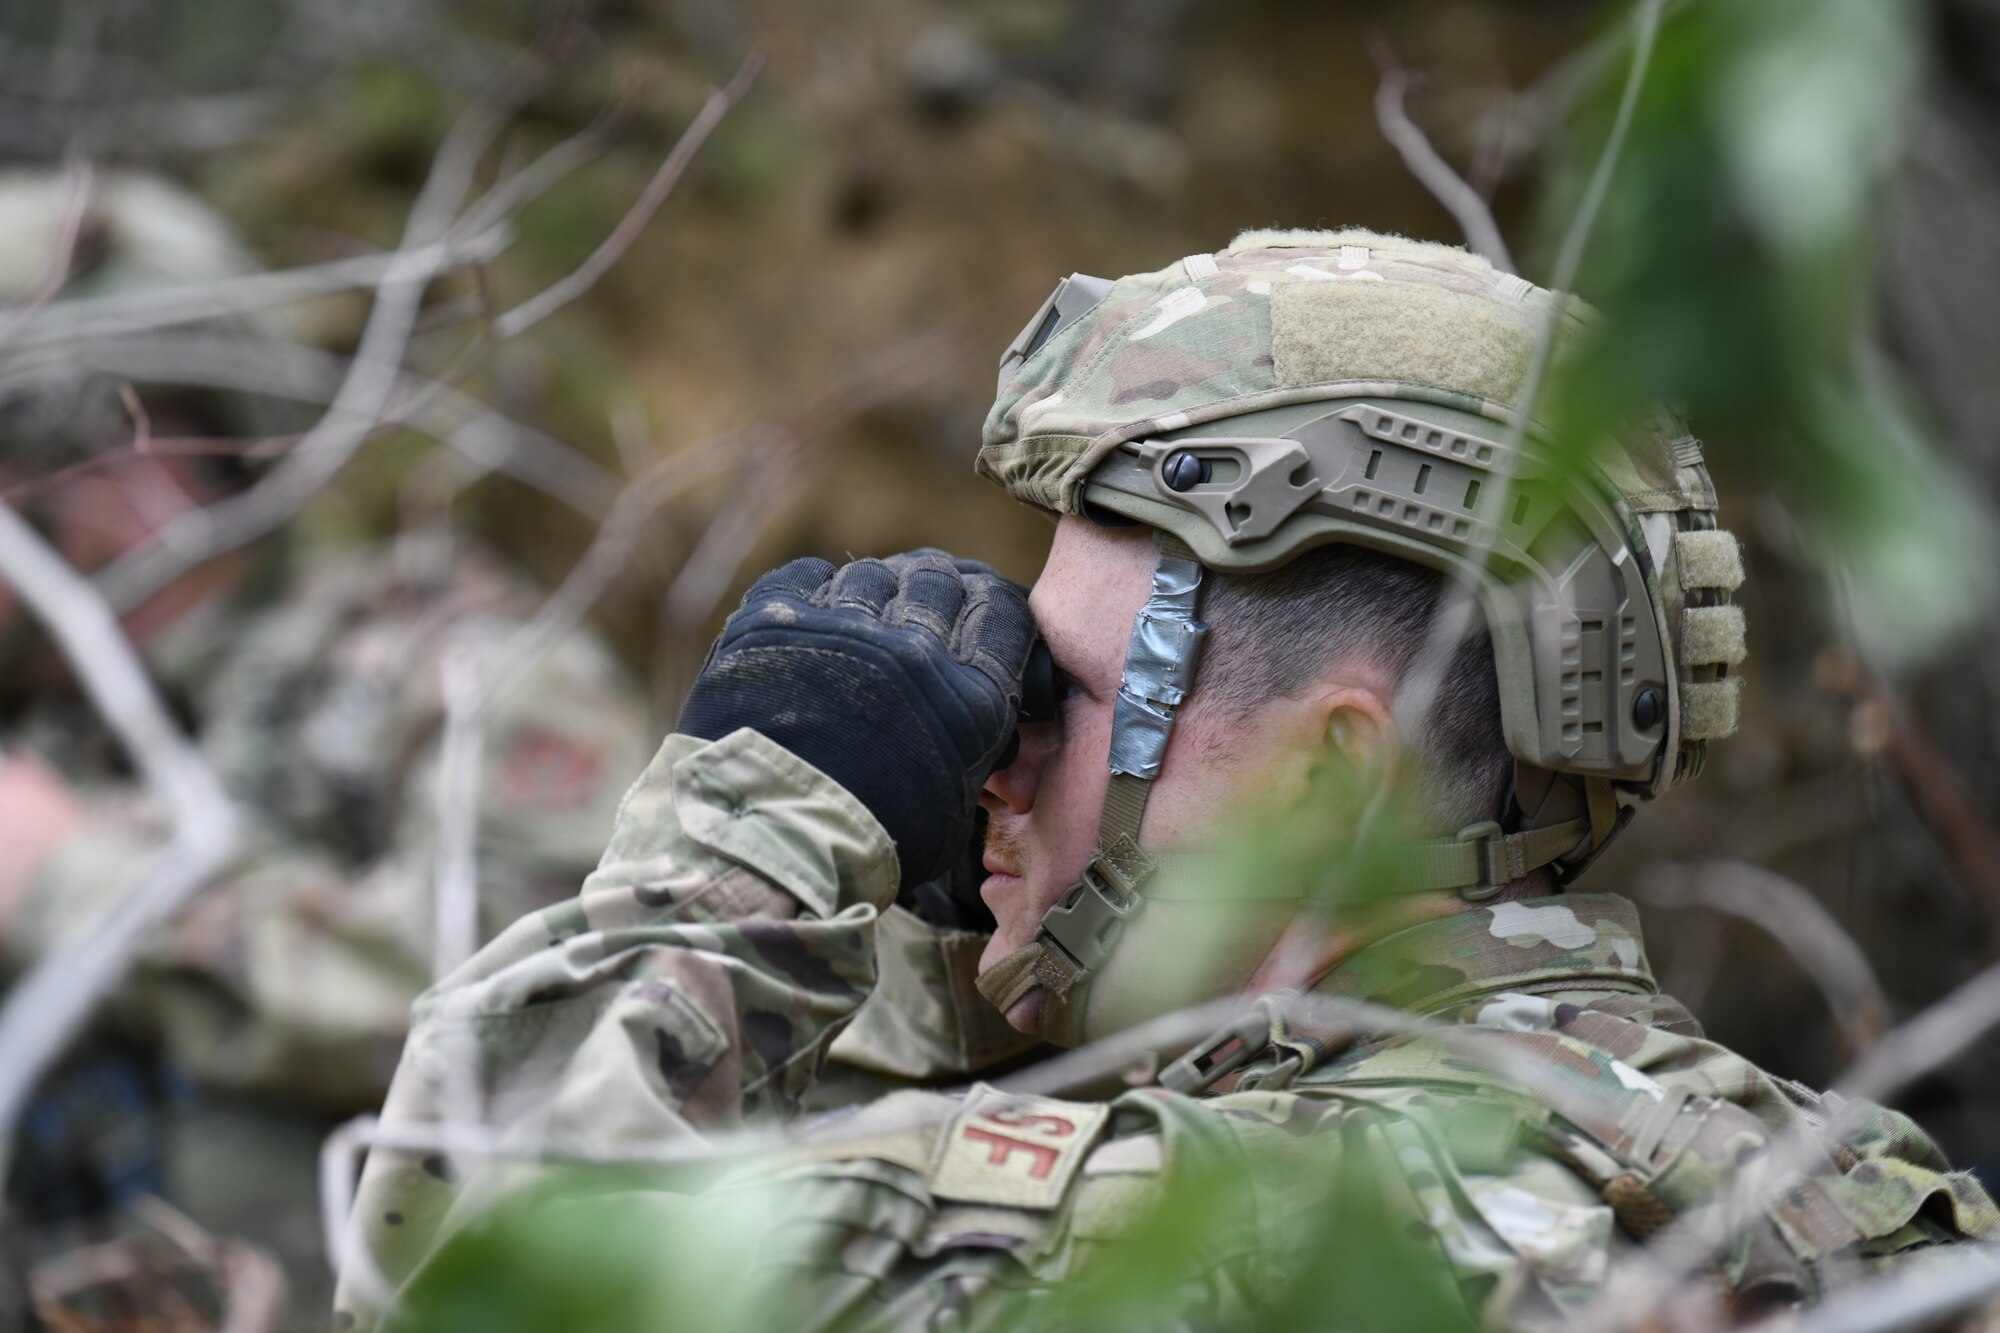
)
(1078, 934)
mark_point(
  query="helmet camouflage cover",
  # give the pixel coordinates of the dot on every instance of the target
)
(1358, 387)
(1306, 387)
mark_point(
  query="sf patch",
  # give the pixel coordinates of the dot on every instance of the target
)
(1013, 1151)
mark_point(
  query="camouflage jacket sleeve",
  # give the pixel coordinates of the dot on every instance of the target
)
(724, 940)
(294, 974)
(925, 1024)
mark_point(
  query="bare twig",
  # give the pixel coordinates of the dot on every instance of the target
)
(124, 315)
(307, 374)
(1795, 920)
(472, 685)
(1928, 1041)
(1930, 781)
(553, 298)
(472, 1142)
(1918, 1298)
(455, 918)
(48, 1006)
(364, 394)
(712, 565)
(780, 467)
(607, 553)
(142, 424)
(521, 188)
(1435, 174)
(484, 436)
(81, 182)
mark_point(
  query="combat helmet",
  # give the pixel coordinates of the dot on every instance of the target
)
(1306, 387)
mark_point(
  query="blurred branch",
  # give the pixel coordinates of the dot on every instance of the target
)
(1930, 782)
(47, 1007)
(553, 298)
(55, 271)
(364, 395)
(608, 551)
(1919, 1298)
(779, 468)
(87, 317)
(115, 680)
(521, 188)
(1435, 174)
(472, 687)
(1795, 920)
(455, 913)
(1928, 1041)
(289, 370)
(203, 534)
(472, 683)
(1173, 1032)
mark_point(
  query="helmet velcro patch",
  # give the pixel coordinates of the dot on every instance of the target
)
(1713, 636)
(1710, 559)
(1709, 708)
(1400, 332)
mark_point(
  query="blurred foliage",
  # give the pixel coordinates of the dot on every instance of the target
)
(1736, 264)
(595, 1253)
(601, 1252)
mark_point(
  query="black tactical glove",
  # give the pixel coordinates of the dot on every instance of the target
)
(899, 679)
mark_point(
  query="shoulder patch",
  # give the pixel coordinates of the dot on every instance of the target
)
(1015, 1151)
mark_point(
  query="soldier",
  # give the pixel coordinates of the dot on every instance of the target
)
(280, 999)
(1275, 467)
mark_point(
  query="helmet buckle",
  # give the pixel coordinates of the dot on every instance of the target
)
(1492, 857)
(1088, 919)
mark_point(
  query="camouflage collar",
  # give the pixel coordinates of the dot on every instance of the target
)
(1575, 941)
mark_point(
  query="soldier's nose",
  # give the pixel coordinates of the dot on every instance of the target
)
(1010, 787)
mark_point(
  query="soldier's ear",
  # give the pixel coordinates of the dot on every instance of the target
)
(1359, 731)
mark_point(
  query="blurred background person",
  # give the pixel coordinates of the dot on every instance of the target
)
(311, 679)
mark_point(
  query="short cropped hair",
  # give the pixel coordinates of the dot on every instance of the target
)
(1276, 633)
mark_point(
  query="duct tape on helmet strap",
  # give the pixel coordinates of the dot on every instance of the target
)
(1159, 668)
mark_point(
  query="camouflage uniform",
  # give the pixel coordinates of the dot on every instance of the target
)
(729, 934)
